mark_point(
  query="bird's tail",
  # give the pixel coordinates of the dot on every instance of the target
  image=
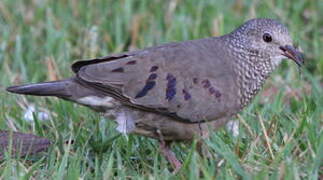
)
(54, 88)
(70, 89)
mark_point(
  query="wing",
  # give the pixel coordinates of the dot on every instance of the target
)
(188, 81)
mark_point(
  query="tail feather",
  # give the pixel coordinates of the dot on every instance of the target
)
(53, 88)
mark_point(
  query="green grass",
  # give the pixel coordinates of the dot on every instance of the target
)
(289, 109)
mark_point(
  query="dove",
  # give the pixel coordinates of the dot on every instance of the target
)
(181, 90)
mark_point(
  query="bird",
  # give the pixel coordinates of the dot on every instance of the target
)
(177, 91)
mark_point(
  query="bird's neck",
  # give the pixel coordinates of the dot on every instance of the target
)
(252, 69)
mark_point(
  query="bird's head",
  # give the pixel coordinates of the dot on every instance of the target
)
(268, 37)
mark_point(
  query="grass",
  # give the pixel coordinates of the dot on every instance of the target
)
(280, 133)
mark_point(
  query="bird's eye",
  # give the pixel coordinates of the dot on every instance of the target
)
(267, 37)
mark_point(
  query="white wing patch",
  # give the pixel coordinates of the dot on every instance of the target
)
(97, 101)
(124, 119)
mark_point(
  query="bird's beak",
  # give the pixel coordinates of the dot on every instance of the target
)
(292, 53)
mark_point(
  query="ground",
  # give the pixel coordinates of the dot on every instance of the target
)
(279, 135)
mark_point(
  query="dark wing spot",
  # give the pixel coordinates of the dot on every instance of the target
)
(170, 94)
(154, 68)
(211, 90)
(217, 93)
(150, 83)
(206, 83)
(148, 86)
(214, 92)
(153, 76)
(131, 62)
(171, 80)
(171, 87)
(187, 95)
(120, 69)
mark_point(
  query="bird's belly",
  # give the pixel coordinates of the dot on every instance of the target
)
(154, 125)
(157, 126)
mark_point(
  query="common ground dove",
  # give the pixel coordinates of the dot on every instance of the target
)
(177, 91)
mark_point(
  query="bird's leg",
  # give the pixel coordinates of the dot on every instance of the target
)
(169, 155)
(202, 149)
(165, 149)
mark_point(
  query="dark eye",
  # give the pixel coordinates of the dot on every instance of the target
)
(267, 37)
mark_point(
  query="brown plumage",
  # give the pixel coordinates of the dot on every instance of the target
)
(180, 90)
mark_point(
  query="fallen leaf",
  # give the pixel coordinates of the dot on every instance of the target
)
(21, 144)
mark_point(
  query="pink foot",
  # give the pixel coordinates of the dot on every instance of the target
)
(170, 156)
